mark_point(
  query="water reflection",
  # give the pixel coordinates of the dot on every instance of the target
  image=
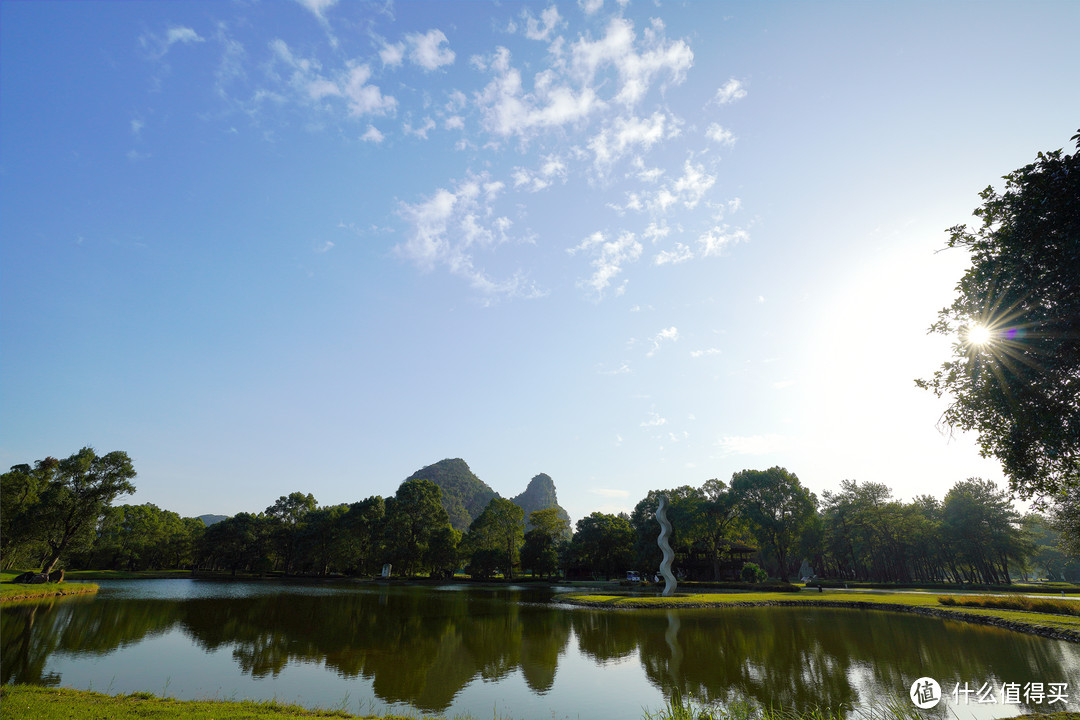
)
(422, 647)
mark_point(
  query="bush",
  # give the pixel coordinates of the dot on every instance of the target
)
(751, 573)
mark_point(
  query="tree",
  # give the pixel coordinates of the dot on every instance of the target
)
(1014, 374)
(499, 527)
(413, 515)
(21, 490)
(286, 514)
(777, 505)
(540, 553)
(603, 543)
(84, 486)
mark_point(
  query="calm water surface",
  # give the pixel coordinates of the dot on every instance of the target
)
(472, 651)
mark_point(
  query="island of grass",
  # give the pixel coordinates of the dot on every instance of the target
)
(1061, 624)
(10, 592)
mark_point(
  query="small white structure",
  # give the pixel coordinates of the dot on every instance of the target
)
(386, 570)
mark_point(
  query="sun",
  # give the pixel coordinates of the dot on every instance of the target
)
(979, 335)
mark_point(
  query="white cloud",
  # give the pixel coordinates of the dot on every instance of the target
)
(613, 142)
(392, 55)
(719, 135)
(363, 98)
(680, 254)
(719, 238)
(509, 110)
(670, 334)
(158, 46)
(731, 91)
(427, 50)
(551, 168)
(181, 35)
(753, 444)
(454, 122)
(636, 70)
(318, 7)
(591, 7)
(541, 29)
(610, 492)
(136, 127)
(450, 226)
(656, 232)
(325, 247)
(422, 131)
(654, 420)
(372, 134)
(705, 353)
(609, 258)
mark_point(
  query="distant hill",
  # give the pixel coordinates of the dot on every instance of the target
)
(209, 520)
(464, 495)
(540, 495)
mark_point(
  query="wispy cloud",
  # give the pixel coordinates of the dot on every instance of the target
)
(680, 254)
(448, 228)
(609, 256)
(654, 420)
(670, 334)
(541, 28)
(731, 91)
(157, 46)
(715, 241)
(719, 135)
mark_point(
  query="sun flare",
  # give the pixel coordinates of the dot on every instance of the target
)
(979, 335)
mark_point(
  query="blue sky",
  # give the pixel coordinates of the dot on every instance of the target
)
(276, 246)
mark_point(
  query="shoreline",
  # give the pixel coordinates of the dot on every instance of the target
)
(978, 616)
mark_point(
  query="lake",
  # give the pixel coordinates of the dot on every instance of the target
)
(461, 650)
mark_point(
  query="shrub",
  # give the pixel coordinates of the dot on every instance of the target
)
(751, 573)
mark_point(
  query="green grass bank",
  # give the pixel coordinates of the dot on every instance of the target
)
(29, 702)
(1052, 625)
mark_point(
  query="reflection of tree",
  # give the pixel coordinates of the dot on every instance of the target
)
(24, 648)
(604, 635)
(422, 647)
(804, 657)
(544, 637)
(31, 632)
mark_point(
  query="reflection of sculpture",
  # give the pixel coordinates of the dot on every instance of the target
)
(665, 547)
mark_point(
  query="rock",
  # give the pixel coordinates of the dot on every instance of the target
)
(30, 578)
(57, 576)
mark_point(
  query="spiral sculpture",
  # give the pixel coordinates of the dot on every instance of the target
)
(665, 547)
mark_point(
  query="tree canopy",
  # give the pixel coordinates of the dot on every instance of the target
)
(1014, 374)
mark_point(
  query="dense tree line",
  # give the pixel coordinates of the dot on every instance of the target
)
(62, 509)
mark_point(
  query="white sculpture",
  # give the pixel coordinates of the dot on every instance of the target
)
(665, 547)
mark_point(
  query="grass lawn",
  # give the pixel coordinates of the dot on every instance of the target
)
(1066, 626)
(29, 702)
